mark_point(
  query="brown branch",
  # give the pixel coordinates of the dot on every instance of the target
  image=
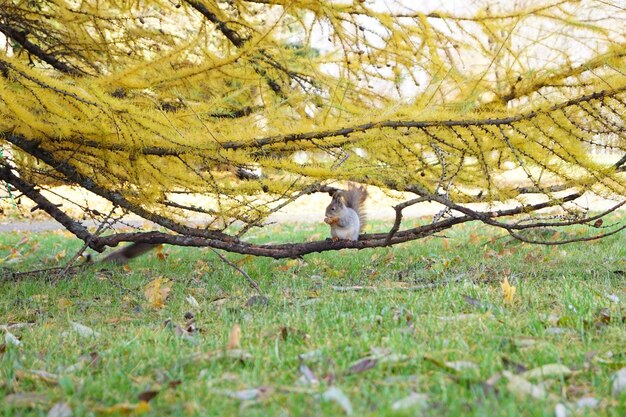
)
(71, 173)
(563, 242)
(230, 34)
(252, 282)
(236, 40)
(20, 37)
(398, 219)
(46, 205)
(295, 250)
(396, 124)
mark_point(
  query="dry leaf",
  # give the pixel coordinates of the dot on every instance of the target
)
(192, 301)
(363, 365)
(48, 378)
(553, 370)
(508, 291)
(234, 337)
(63, 303)
(25, 399)
(256, 300)
(524, 389)
(461, 366)
(246, 394)
(147, 395)
(619, 383)
(83, 330)
(60, 410)
(336, 395)
(157, 291)
(10, 339)
(92, 359)
(125, 408)
(414, 400)
(307, 376)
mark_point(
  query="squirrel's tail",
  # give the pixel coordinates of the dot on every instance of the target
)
(131, 251)
(355, 199)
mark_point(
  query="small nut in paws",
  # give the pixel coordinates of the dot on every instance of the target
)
(331, 220)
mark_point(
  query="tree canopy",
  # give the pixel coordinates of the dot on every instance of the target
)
(152, 103)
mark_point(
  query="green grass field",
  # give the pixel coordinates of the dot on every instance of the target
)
(418, 329)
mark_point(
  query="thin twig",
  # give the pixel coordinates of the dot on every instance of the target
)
(101, 228)
(563, 242)
(252, 282)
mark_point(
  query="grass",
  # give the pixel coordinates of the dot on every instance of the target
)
(564, 311)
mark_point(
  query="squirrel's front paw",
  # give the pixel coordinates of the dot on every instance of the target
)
(331, 220)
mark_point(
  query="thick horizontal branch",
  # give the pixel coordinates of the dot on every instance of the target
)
(294, 250)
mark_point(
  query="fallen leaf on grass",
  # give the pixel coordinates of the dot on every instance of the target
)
(60, 255)
(148, 395)
(337, 396)
(8, 327)
(619, 383)
(307, 377)
(552, 370)
(185, 334)
(511, 365)
(559, 331)
(234, 354)
(60, 410)
(415, 400)
(311, 356)
(11, 339)
(524, 389)
(251, 394)
(508, 291)
(47, 377)
(125, 408)
(363, 365)
(192, 301)
(257, 301)
(92, 359)
(461, 368)
(476, 303)
(157, 291)
(83, 330)
(234, 337)
(25, 399)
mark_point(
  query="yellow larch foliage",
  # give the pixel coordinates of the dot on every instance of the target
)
(157, 99)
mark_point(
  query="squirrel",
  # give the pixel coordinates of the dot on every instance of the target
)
(345, 214)
(134, 250)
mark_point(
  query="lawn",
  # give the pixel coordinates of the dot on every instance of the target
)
(424, 328)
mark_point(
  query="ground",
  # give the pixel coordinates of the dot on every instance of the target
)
(427, 328)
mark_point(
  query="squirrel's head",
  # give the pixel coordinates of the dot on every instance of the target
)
(336, 205)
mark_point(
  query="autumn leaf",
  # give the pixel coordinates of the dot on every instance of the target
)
(125, 409)
(508, 291)
(157, 291)
(233, 338)
(60, 255)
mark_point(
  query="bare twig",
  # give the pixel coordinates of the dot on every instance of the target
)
(252, 282)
